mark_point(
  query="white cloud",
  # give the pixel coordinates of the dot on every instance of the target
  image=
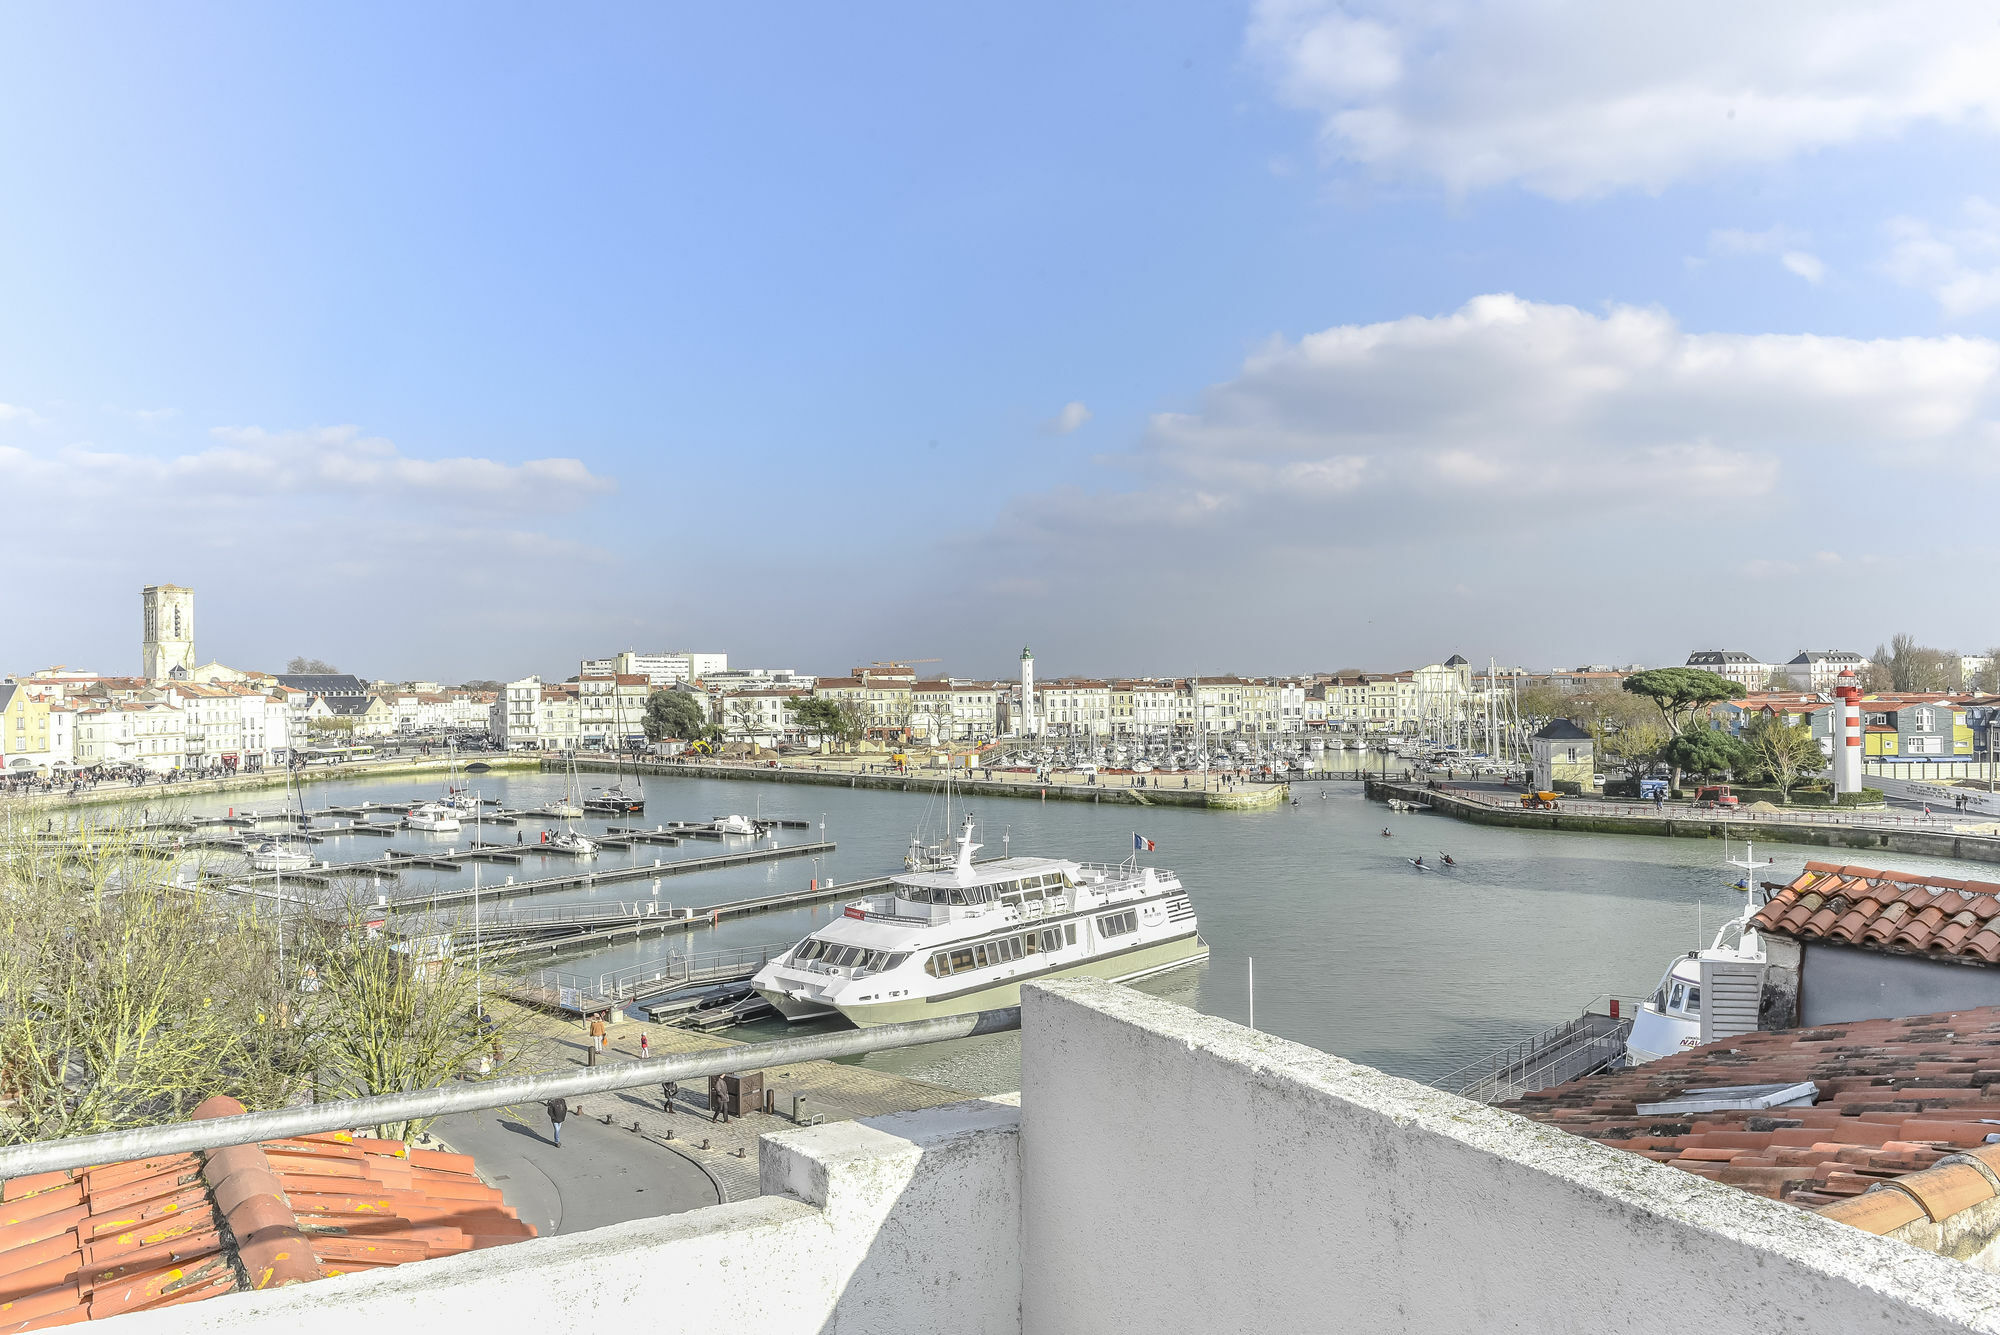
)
(326, 464)
(1959, 266)
(1563, 460)
(1786, 243)
(1571, 98)
(1806, 265)
(1511, 397)
(12, 413)
(1072, 416)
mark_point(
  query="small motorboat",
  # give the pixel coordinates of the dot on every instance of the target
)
(433, 816)
(278, 855)
(732, 825)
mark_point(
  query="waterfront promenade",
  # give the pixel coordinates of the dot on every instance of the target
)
(726, 1152)
(875, 772)
(1895, 831)
(161, 791)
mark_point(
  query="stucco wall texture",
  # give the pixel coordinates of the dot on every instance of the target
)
(1186, 1174)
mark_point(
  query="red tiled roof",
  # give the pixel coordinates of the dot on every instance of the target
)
(1895, 1097)
(150, 1233)
(1860, 906)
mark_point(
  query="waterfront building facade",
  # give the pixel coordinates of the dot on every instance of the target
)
(24, 729)
(611, 710)
(1744, 669)
(1071, 707)
(136, 734)
(1563, 753)
(762, 717)
(1819, 669)
(667, 669)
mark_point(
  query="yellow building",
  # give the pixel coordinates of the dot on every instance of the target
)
(24, 726)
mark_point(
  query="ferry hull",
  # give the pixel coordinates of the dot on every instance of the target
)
(795, 1008)
(1125, 968)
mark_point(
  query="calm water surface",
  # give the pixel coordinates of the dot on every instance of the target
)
(1357, 952)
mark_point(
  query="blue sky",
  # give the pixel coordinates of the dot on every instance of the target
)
(467, 342)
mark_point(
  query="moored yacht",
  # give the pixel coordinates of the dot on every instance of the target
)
(569, 841)
(280, 854)
(965, 937)
(1670, 1020)
(433, 816)
(732, 825)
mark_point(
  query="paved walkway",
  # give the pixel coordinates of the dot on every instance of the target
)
(600, 1175)
(726, 1151)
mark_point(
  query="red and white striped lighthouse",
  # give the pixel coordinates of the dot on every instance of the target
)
(1847, 733)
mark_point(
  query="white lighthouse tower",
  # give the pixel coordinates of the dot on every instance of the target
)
(1029, 726)
(1847, 734)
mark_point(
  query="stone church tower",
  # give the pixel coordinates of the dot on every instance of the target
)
(167, 652)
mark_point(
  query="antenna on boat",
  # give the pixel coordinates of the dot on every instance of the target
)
(963, 870)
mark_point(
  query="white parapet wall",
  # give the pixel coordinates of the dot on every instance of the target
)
(899, 1225)
(1184, 1174)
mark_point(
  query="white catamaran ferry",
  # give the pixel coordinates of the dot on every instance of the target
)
(964, 938)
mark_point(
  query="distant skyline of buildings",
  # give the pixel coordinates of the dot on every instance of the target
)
(180, 713)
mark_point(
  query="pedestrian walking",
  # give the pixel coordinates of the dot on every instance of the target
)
(645, 1048)
(716, 1111)
(668, 1092)
(558, 1109)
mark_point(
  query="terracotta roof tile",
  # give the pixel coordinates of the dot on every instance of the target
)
(1896, 1098)
(1887, 910)
(151, 1233)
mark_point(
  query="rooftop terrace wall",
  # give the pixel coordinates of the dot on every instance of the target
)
(1187, 1174)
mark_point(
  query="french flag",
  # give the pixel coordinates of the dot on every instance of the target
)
(1141, 844)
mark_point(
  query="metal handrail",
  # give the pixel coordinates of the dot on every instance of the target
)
(218, 1133)
(1484, 1068)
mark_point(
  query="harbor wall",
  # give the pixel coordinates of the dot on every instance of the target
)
(1165, 1172)
(157, 794)
(922, 781)
(1941, 843)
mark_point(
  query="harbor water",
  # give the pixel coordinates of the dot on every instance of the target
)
(1356, 951)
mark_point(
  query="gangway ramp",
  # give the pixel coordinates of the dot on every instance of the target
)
(1590, 1043)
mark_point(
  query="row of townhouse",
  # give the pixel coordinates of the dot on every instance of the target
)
(430, 711)
(1895, 726)
(231, 727)
(599, 712)
(76, 722)
(1809, 670)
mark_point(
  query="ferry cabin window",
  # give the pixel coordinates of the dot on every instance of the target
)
(1678, 1000)
(1069, 933)
(1694, 1001)
(1118, 924)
